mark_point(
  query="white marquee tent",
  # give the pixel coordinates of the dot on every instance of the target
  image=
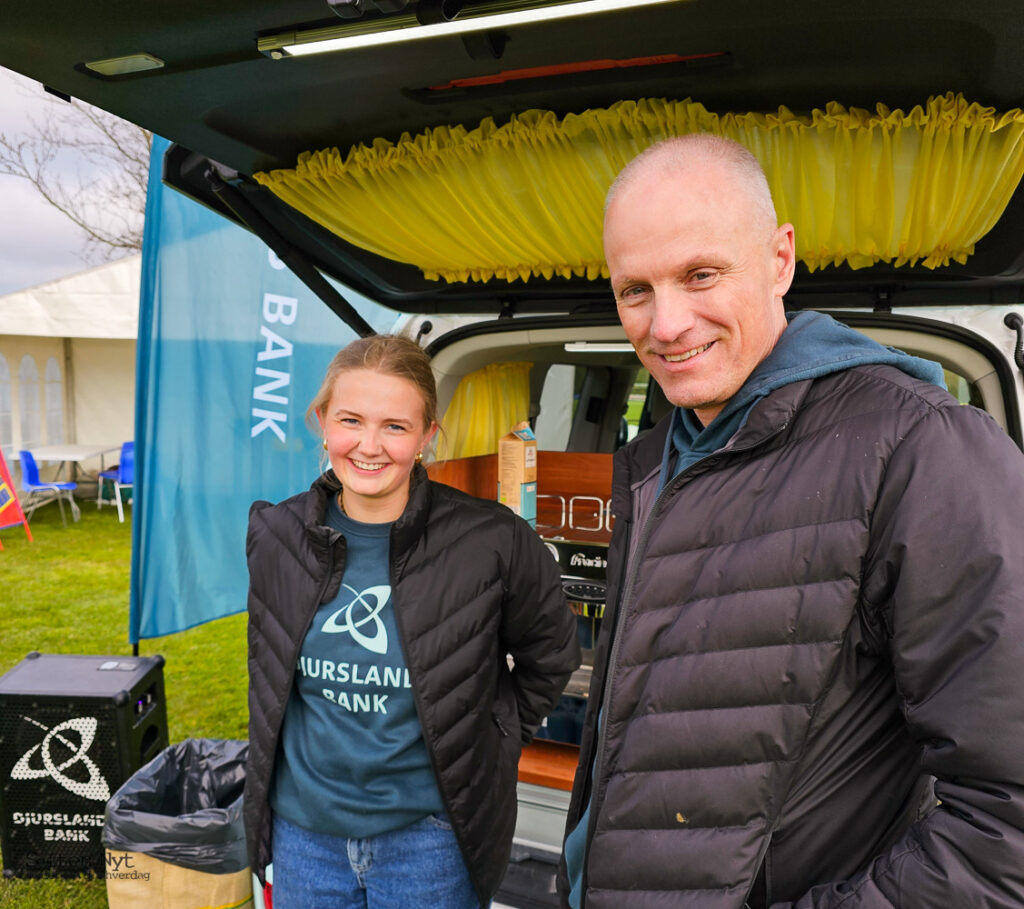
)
(67, 360)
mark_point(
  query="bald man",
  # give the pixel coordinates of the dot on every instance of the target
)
(808, 688)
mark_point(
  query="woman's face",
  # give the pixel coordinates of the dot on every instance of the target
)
(374, 428)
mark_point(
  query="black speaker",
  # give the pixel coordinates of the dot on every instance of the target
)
(72, 729)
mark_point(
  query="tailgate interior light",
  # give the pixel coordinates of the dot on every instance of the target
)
(407, 28)
(124, 66)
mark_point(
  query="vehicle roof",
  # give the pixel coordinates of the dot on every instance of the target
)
(218, 97)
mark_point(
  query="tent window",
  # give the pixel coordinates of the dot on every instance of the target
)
(28, 398)
(6, 409)
(54, 403)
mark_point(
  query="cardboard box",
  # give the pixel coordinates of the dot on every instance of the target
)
(136, 880)
(517, 472)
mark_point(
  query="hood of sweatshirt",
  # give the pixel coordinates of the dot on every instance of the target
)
(812, 345)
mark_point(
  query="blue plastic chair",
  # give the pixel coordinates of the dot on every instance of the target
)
(122, 476)
(40, 493)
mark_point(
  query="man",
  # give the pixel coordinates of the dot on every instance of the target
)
(808, 690)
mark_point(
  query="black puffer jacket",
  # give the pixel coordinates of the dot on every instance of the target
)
(817, 620)
(471, 582)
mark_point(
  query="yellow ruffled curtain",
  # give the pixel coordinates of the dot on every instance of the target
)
(486, 405)
(526, 198)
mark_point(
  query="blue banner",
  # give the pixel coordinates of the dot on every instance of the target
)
(231, 349)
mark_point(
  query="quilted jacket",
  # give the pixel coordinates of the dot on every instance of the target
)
(816, 658)
(471, 583)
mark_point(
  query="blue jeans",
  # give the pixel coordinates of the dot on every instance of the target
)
(417, 867)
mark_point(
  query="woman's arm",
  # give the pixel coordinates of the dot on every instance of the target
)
(537, 628)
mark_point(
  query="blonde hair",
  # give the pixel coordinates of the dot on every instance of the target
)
(389, 354)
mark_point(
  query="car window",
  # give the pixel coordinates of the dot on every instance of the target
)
(635, 404)
(963, 389)
(584, 407)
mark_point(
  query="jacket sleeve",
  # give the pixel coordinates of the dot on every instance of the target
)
(258, 762)
(537, 628)
(946, 576)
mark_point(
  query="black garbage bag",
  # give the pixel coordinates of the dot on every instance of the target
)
(184, 807)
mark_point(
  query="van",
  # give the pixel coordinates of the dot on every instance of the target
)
(449, 158)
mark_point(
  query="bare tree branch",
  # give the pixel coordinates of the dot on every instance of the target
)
(91, 166)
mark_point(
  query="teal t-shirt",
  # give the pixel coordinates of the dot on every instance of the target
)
(352, 759)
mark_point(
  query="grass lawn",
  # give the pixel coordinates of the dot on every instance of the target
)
(67, 592)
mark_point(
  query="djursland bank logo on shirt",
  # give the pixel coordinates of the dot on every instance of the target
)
(357, 627)
(370, 602)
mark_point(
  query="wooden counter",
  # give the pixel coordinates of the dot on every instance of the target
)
(572, 487)
(551, 764)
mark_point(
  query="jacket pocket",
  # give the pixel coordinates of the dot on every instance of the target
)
(505, 710)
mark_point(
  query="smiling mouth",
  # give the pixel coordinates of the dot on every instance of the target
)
(679, 358)
(365, 465)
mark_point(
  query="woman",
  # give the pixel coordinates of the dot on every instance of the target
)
(385, 722)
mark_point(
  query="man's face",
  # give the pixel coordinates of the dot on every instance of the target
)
(697, 282)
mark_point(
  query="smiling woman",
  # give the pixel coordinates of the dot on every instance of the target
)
(374, 432)
(382, 609)
(377, 411)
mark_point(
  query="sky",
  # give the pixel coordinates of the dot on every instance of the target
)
(37, 244)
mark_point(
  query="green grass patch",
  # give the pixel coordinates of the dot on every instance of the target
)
(68, 592)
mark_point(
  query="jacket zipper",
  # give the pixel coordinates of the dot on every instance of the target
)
(305, 631)
(762, 863)
(613, 658)
(670, 489)
(309, 623)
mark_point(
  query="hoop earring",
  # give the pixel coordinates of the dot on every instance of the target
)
(419, 456)
(325, 444)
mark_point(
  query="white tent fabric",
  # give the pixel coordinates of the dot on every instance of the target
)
(102, 302)
(67, 360)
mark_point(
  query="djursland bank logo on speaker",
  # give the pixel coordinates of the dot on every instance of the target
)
(59, 757)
